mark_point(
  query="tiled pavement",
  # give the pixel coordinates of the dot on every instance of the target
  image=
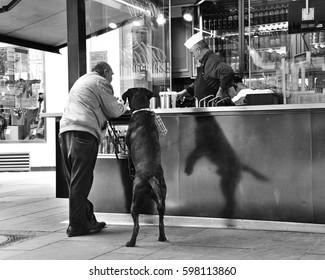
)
(33, 224)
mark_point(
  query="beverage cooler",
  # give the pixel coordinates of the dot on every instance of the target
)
(268, 44)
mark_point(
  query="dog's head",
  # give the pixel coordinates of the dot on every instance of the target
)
(138, 98)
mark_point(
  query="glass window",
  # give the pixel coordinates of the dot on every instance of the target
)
(277, 55)
(133, 37)
(21, 93)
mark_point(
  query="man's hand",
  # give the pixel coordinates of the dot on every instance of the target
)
(182, 94)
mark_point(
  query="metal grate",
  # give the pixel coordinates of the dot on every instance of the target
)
(13, 236)
(12, 239)
(14, 162)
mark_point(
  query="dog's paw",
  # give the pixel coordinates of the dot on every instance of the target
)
(162, 238)
(130, 244)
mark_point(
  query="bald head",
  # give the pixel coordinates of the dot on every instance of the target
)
(100, 68)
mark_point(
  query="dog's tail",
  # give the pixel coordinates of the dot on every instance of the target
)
(255, 173)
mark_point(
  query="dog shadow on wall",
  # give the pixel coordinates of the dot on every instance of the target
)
(211, 143)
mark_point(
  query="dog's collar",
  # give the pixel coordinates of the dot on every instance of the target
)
(143, 109)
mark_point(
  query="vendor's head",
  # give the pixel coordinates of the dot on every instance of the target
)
(197, 46)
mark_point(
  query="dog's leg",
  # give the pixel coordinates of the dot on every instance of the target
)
(135, 209)
(159, 188)
(131, 166)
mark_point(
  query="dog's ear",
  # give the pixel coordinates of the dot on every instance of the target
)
(125, 95)
(150, 94)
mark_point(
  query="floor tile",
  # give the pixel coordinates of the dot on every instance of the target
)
(67, 250)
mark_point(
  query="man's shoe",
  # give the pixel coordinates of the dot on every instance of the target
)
(103, 224)
(94, 229)
(72, 232)
(97, 227)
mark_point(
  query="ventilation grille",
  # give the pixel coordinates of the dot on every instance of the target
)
(14, 162)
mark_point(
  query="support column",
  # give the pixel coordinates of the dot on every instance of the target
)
(76, 32)
(77, 61)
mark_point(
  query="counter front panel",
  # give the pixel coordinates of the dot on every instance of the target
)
(262, 165)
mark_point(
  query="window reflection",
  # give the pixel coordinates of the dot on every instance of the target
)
(21, 81)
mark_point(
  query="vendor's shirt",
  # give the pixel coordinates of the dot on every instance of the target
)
(216, 73)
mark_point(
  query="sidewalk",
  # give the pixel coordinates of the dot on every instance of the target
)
(33, 224)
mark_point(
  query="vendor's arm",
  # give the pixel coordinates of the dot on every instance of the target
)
(189, 91)
(226, 76)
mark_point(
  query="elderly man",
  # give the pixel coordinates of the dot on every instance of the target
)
(90, 103)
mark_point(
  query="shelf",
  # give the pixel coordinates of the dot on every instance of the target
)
(269, 26)
(279, 50)
(318, 45)
(112, 156)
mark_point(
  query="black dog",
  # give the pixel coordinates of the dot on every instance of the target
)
(142, 140)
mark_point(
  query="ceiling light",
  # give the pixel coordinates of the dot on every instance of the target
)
(188, 14)
(113, 25)
(137, 23)
(161, 19)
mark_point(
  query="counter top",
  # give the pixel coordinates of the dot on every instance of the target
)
(250, 108)
(51, 115)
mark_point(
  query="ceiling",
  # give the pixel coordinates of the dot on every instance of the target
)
(42, 24)
(34, 22)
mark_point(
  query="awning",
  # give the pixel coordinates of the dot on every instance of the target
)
(42, 24)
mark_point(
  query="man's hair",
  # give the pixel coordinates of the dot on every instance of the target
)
(100, 68)
(202, 44)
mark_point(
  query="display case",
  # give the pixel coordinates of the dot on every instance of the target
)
(220, 22)
(257, 39)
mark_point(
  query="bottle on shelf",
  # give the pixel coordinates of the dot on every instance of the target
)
(322, 37)
(245, 17)
(266, 15)
(225, 20)
(255, 19)
(255, 41)
(235, 18)
(283, 12)
(277, 13)
(267, 36)
(219, 21)
(205, 23)
(260, 16)
(262, 40)
(230, 20)
(209, 23)
(215, 23)
(277, 38)
(283, 37)
(271, 14)
(286, 12)
(272, 38)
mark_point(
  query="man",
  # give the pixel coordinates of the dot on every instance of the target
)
(40, 110)
(90, 103)
(214, 76)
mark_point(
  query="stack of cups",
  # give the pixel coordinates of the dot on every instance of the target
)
(168, 99)
(153, 103)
